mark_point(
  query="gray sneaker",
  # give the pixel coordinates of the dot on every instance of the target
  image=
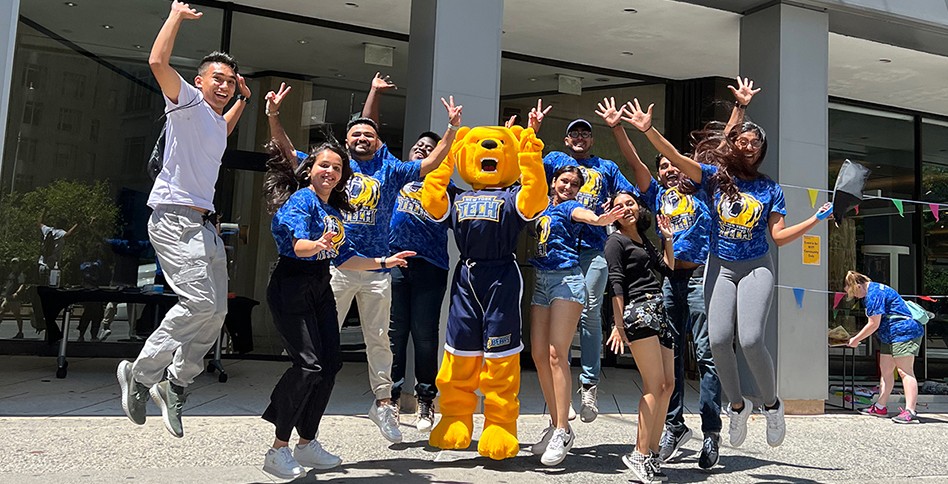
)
(590, 409)
(670, 444)
(134, 394)
(170, 398)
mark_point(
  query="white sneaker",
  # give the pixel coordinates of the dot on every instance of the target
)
(315, 456)
(737, 429)
(572, 413)
(559, 446)
(590, 409)
(540, 447)
(280, 462)
(386, 417)
(776, 426)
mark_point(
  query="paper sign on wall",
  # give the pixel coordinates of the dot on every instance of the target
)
(811, 250)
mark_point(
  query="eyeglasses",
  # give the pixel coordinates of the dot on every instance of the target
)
(580, 134)
(756, 143)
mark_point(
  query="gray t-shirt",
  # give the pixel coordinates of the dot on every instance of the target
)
(53, 242)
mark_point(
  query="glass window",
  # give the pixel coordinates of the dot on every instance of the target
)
(878, 241)
(935, 239)
(81, 90)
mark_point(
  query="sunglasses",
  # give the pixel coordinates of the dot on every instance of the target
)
(580, 134)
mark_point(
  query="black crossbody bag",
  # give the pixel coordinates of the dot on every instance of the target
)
(156, 161)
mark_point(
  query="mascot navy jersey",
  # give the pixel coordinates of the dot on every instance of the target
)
(487, 287)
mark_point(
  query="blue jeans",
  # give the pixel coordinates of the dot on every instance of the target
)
(684, 304)
(417, 294)
(593, 265)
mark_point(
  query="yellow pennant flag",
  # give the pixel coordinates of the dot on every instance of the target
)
(813, 193)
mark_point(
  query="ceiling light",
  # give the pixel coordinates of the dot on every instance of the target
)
(303, 41)
(630, 10)
(379, 55)
(885, 60)
(532, 79)
(602, 79)
(137, 46)
(567, 84)
(107, 27)
(72, 4)
(352, 5)
(339, 74)
(627, 52)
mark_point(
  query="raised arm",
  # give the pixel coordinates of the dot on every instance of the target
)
(434, 190)
(160, 58)
(277, 133)
(642, 120)
(743, 94)
(613, 118)
(233, 114)
(535, 118)
(533, 197)
(783, 235)
(440, 151)
(589, 217)
(379, 85)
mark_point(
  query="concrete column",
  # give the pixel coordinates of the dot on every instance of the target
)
(9, 15)
(454, 49)
(784, 49)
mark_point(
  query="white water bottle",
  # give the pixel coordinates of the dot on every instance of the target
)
(54, 276)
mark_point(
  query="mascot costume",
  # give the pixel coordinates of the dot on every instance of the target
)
(483, 333)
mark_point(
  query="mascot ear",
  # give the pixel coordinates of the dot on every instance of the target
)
(459, 140)
(516, 129)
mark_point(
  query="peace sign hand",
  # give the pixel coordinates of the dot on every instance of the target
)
(274, 99)
(454, 112)
(536, 116)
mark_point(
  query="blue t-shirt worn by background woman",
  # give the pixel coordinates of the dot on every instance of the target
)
(689, 217)
(372, 191)
(603, 180)
(897, 325)
(557, 237)
(739, 227)
(414, 229)
(305, 216)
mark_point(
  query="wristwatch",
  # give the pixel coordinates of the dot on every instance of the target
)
(241, 97)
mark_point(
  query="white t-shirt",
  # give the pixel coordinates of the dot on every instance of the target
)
(195, 140)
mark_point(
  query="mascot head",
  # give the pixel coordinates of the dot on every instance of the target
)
(486, 156)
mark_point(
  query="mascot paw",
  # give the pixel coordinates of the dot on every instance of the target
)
(452, 432)
(499, 441)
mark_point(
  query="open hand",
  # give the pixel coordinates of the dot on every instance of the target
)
(642, 120)
(536, 116)
(454, 112)
(664, 226)
(745, 90)
(274, 99)
(618, 341)
(242, 85)
(608, 112)
(380, 83)
(398, 260)
(185, 11)
(612, 215)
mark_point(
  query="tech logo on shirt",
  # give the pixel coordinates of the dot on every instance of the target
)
(409, 200)
(679, 208)
(589, 193)
(478, 208)
(738, 217)
(364, 193)
(335, 226)
(543, 234)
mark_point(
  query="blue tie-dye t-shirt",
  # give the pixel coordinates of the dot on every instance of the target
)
(602, 180)
(896, 325)
(739, 227)
(414, 229)
(557, 237)
(689, 218)
(305, 216)
(372, 191)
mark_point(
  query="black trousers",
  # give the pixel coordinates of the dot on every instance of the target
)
(304, 313)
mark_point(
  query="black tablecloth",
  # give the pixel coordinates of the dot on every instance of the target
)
(54, 300)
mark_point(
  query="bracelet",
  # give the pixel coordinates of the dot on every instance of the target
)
(453, 127)
(271, 113)
(738, 105)
(382, 263)
(614, 126)
(648, 129)
(241, 97)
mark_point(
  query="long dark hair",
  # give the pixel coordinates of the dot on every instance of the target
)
(282, 180)
(567, 169)
(713, 146)
(644, 220)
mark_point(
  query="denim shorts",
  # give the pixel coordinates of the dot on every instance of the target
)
(568, 285)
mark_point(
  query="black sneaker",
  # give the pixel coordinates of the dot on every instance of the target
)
(654, 466)
(670, 445)
(709, 451)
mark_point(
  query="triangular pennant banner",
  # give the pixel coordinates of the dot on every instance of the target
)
(835, 312)
(798, 295)
(934, 208)
(813, 193)
(898, 205)
(837, 298)
(926, 298)
(857, 209)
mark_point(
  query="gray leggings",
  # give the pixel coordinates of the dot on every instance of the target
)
(745, 288)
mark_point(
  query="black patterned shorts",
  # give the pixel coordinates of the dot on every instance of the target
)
(646, 317)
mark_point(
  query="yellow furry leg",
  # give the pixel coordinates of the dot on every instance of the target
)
(457, 380)
(500, 384)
